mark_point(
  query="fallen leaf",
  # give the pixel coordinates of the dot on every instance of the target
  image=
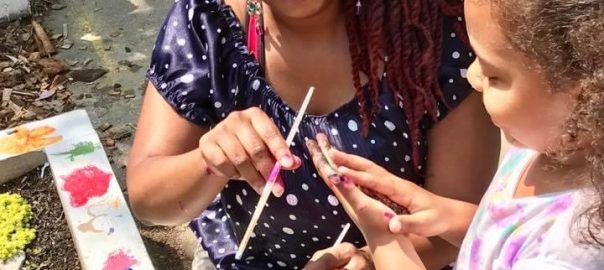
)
(90, 37)
(57, 6)
(52, 66)
(44, 94)
(87, 75)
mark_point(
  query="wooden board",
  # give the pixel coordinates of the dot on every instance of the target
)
(102, 226)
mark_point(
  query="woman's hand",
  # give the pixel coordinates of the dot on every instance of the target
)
(342, 256)
(245, 146)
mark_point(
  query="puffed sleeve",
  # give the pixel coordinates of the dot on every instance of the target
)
(195, 61)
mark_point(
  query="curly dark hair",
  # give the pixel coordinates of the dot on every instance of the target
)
(565, 38)
(406, 37)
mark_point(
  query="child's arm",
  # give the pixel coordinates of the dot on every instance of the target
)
(176, 168)
(393, 251)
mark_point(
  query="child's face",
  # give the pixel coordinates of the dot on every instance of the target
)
(514, 91)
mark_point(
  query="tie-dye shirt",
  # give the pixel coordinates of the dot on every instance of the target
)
(538, 232)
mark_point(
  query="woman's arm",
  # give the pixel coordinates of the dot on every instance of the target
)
(176, 168)
(462, 159)
(167, 179)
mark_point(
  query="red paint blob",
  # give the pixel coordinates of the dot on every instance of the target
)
(85, 183)
(119, 260)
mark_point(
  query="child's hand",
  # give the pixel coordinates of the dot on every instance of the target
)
(429, 214)
(374, 214)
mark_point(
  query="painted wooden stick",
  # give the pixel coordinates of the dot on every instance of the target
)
(272, 177)
(342, 234)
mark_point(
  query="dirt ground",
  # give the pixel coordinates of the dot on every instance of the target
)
(53, 246)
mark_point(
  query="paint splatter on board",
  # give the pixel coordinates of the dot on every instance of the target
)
(119, 260)
(86, 183)
(80, 149)
(23, 140)
(89, 225)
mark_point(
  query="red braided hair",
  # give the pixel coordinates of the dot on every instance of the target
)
(406, 37)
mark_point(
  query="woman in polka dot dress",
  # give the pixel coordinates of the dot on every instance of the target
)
(224, 87)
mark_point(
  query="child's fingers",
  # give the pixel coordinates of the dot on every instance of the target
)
(371, 181)
(321, 164)
(351, 161)
(396, 189)
(420, 223)
(357, 199)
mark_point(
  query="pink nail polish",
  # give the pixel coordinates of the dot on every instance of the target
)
(346, 181)
(335, 179)
(279, 187)
(286, 161)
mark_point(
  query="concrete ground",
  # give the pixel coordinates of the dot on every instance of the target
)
(125, 32)
(121, 35)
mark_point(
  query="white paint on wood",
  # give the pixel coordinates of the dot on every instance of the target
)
(12, 9)
(102, 226)
(13, 263)
(18, 166)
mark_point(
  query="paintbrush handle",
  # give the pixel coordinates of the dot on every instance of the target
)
(270, 182)
(266, 192)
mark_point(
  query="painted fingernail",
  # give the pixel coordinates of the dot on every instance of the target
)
(335, 179)
(346, 181)
(286, 161)
(395, 226)
(297, 161)
(278, 190)
(388, 215)
(279, 187)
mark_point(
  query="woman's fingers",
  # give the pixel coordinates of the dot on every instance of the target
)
(271, 136)
(260, 159)
(217, 160)
(331, 258)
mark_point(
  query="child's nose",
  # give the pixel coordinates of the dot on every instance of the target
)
(475, 76)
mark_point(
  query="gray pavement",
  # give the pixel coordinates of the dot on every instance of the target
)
(125, 32)
(120, 37)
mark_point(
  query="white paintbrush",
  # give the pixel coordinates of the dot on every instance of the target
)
(270, 182)
(342, 234)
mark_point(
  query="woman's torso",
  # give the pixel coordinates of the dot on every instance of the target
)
(307, 217)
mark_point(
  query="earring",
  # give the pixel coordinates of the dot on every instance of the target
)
(359, 5)
(254, 8)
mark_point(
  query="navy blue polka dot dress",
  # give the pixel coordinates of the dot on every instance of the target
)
(203, 69)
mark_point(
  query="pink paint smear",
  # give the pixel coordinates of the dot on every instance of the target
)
(119, 260)
(85, 183)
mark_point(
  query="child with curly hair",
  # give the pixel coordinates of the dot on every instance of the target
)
(540, 69)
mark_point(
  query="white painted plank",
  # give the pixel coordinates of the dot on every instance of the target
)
(103, 229)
